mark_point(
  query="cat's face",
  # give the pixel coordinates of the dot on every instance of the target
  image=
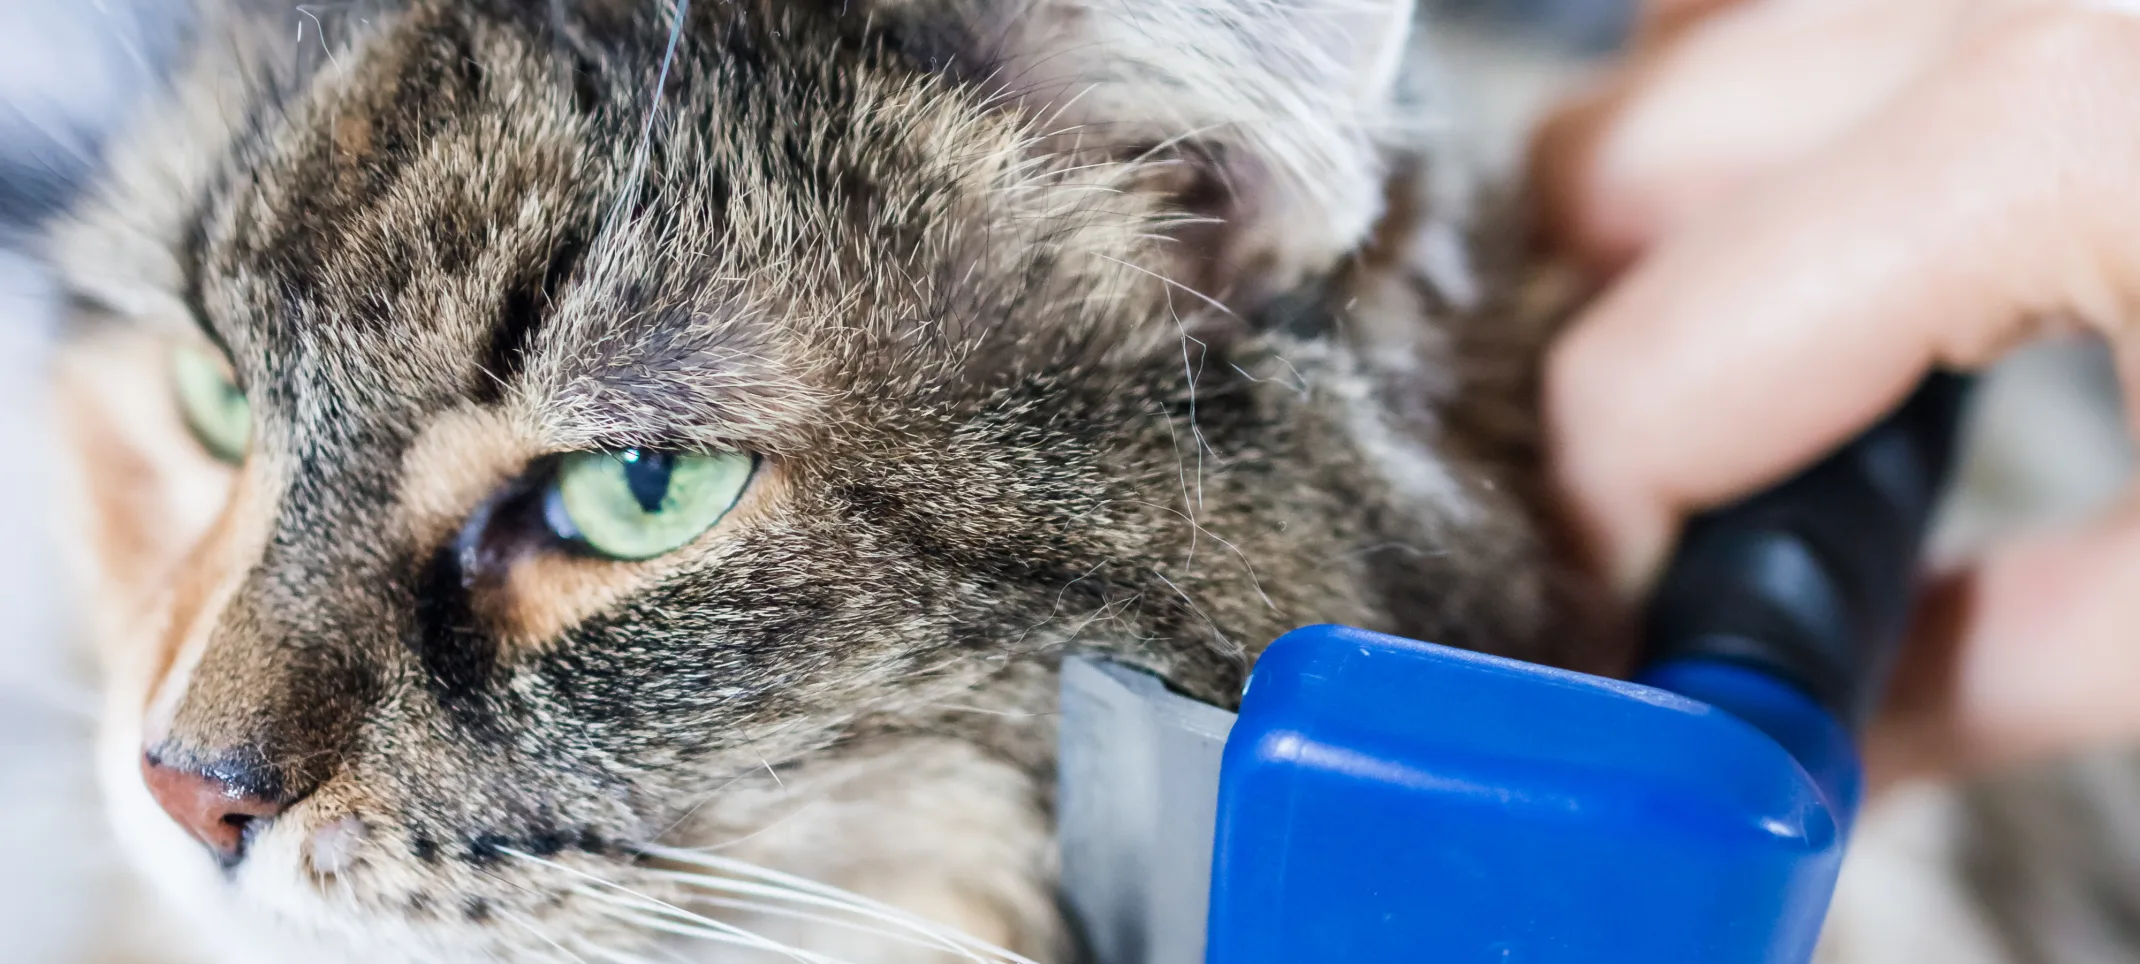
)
(486, 493)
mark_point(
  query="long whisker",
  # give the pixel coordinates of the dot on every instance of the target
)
(637, 173)
(945, 939)
(731, 931)
(775, 910)
(695, 920)
(823, 892)
(702, 932)
(529, 926)
(620, 957)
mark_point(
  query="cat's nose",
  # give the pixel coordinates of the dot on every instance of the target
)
(222, 804)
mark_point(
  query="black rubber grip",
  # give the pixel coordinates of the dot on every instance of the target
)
(1813, 580)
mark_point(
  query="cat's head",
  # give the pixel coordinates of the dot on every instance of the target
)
(518, 435)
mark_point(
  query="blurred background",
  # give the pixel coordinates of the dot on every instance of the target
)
(2047, 443)
(67, 70)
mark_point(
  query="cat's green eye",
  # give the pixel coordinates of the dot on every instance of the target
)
(213, 407)
(642, 503)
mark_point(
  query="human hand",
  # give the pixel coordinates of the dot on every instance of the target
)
(1815, 202)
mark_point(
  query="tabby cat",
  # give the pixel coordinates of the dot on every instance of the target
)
(573, 480)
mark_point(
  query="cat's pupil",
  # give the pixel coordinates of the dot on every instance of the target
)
(646, 474)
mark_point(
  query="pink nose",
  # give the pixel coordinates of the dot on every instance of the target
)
(213, 805)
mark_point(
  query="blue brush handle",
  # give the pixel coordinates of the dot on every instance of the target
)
(1385, 801)
(1812, 581)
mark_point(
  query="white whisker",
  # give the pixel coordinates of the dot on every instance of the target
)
(760, 907)
(730, 933)
(801, 886)
(529, 926)
(724, 935)
(774, 910)
(942, 938)
(614, 956)
(636, 175)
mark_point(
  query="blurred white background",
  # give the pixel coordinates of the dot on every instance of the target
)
(67, 67)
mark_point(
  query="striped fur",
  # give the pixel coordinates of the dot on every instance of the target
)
(1054, 324)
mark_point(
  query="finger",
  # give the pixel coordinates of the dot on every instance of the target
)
(1731, 98)
(1603, 230)
(1663, 20)
(1993, 196)
(2034, 651)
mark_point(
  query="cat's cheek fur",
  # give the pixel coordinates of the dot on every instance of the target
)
(931, 825)
(134, 484)
(144, 493)
(166, 524)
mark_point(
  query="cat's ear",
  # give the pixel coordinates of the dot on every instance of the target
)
(1277, 114)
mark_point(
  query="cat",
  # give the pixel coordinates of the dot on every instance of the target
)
(571, 480)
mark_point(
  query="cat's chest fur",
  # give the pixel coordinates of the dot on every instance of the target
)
(589, 475)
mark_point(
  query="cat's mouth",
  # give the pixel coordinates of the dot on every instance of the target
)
(325, 870)
(319, 886)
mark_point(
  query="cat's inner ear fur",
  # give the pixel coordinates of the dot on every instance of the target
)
(1267, 123)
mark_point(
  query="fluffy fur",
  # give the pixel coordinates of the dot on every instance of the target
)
(1054, 324)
